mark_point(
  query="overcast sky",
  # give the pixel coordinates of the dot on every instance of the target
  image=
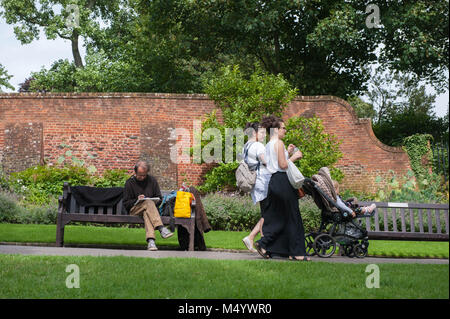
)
(20, 60)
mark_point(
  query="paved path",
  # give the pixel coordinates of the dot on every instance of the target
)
(70, 251)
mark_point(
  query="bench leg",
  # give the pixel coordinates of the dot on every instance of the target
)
(60, 231)
(191, 235)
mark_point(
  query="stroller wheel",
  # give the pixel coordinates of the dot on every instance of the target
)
(359, 251)
(309, 244)
(348, 251)
(324, 245)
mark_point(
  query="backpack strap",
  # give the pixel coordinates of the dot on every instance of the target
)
(246, 149)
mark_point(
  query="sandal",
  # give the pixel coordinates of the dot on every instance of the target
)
(305, 258)
(261, 251)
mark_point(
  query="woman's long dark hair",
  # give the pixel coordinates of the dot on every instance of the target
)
(271, 121)
(250, 128)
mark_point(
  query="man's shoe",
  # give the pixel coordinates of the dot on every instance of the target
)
(151, 245)
(165, 233)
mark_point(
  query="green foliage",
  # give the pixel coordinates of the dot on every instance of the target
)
(238, 213)
(362, 109)
(417, 146)
(4, 78)
(221, 177)
(241, 100)
(319, 148)
(111, 178)
(230, 212)
(409, 190)
(41, 185)
(9, 208)
(98, 75)
(244, 99)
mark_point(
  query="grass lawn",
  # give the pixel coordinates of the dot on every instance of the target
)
(214, 239)
(128, 277)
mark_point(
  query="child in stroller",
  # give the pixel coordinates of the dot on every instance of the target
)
(344, 229)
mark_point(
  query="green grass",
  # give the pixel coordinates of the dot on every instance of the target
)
(214, 239)
(128, 277)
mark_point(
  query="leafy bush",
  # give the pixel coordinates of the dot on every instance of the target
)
(319, 149)
(238, 213)
(9, 208)
(42, 185)
(231, 212)
(220, 178)
(311, 215)
(406, 189)
(12, 211)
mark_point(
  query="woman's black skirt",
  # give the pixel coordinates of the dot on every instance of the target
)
(283, 227)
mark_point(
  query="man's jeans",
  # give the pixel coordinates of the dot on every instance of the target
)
(152, 220)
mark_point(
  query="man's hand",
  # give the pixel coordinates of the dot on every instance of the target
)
(141, 196)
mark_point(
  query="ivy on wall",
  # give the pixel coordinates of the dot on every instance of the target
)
(417, 146)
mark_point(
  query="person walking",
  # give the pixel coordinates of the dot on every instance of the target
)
(283, 227)
(256, 159)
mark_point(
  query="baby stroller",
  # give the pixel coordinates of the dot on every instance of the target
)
(344, 230)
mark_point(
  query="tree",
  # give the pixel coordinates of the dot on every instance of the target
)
(320, 47)
(4, 78)
(65, 19)
(401, 108)
(362, 109)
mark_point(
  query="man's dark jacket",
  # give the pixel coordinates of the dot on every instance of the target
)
(133, 188)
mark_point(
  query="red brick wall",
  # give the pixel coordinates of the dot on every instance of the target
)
(114, 130)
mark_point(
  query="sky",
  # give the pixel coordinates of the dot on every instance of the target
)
(20, 60)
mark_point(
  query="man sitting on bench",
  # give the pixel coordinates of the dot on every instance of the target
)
(141, 196)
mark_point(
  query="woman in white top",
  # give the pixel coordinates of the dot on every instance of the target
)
(256, 158)
(283, 226)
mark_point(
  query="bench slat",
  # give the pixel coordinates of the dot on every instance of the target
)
(420, 220)
(394, 219)
(412, 226)
(91, 211)
(430, 222)
(73, 205)
(438, 221)
(109, 210)
(119, 207)
(446, 221)
(377, 221)
(367, 223)
(82, 210)
(386, 222)
(402, 214)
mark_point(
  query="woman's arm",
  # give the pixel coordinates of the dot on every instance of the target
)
(279, 148)
(282, 162)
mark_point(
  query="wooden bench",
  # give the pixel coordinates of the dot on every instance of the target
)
(70, 211)
(408, 221)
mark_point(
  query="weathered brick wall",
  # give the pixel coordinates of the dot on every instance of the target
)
(112, 130)
(364, 156)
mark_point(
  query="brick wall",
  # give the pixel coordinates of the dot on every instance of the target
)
(114, 130)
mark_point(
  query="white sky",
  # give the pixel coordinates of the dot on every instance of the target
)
(20, 60)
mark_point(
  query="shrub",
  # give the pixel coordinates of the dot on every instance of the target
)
(9, 208)
(407, 189)
(42, 185)
(319, 149)
(238, 213)
(231, 212)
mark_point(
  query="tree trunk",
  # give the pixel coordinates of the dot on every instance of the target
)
(75, 50)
